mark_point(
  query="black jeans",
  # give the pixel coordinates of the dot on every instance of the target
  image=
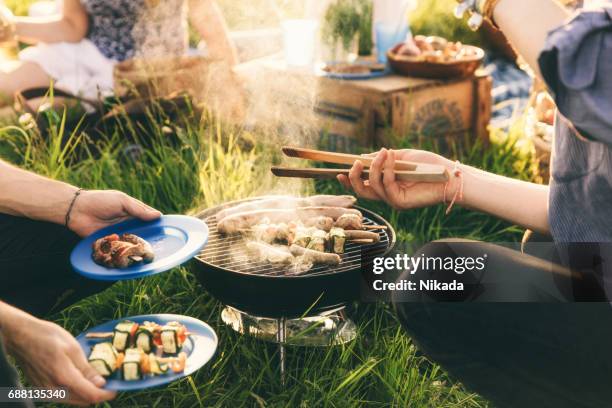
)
(536, 334)
(35, 273)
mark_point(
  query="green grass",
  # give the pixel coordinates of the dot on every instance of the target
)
(193, 163)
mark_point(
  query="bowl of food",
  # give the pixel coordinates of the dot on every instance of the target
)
(435, 57)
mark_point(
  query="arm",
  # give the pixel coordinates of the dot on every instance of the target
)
(50, 357)
(526, 24)
(207, 19)
(70, 26)
(519, 202)
(28, 195)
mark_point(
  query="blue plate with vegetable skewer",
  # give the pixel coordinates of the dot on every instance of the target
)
(200, 346)
(175, 240)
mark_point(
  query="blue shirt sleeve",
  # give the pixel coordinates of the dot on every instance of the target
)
(576, 64)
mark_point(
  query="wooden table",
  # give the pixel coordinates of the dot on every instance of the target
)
(370, 113)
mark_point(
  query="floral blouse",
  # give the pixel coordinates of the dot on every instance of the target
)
(124, 29)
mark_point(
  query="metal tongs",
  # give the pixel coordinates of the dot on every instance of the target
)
(404, 170)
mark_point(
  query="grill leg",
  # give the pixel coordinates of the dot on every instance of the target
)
(281, 338)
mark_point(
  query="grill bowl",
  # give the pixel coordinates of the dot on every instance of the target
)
(258, 288)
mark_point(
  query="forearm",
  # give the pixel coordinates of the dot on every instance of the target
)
(10, 316)
(28, 195)
(47, 29)
(207, 19)
(519, 202)
(526, 24)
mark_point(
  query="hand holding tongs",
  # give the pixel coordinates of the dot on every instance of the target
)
(404, 170)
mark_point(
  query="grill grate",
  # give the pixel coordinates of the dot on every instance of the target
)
(231, 253)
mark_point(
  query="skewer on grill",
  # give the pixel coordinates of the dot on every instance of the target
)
(107, 335)
(351, 236)
(362, 241)
(375, 227)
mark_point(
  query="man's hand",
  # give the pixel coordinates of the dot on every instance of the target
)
(94, 210)
(398, 194)
(51, 358)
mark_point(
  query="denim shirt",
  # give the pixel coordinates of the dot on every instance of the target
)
(576, 64)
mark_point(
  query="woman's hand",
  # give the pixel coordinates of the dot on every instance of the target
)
(94, 210)
(401, 195)
(51, 358)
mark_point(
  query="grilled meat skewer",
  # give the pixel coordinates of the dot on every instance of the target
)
(288, 202)
(354, 222)
(234, 223)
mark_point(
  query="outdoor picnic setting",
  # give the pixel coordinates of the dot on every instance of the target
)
(200, 201)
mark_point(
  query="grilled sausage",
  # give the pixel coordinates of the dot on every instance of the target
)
(353, 235)
(288, 202)
(315, 257)
(236, 223)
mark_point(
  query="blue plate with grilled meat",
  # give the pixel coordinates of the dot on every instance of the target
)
(148, 351)
(170, 241)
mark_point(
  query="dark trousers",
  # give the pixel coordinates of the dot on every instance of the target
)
(35, 273)
(531, 331)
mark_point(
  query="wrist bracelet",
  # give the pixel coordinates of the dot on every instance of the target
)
(458, 196)
(74, 199)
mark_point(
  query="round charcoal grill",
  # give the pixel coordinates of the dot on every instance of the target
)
(225, 269)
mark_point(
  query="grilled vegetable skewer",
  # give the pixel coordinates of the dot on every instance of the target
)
(137, 358)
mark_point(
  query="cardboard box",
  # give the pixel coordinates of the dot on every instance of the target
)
(383, 110)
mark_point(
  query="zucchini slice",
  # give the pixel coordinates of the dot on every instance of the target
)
(103, 359)
(130, 369)
(172, 337)
(318, 240)
(123, 334)
(338, 240)
(145, 337)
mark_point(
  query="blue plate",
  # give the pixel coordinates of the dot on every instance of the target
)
(175, 240)
(200, 347)
(349, 77)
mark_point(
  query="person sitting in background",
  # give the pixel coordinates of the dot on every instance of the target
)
(78, 48)
(41, 220)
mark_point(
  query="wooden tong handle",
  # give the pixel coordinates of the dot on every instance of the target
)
(349, 159)
(420, 176)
